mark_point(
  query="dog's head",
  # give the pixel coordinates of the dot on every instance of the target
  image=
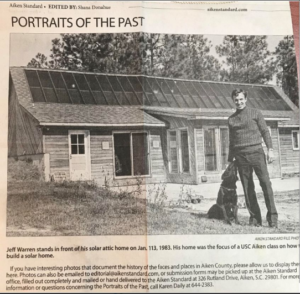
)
(230, 174)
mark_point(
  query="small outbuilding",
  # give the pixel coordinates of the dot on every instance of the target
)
(118, 129)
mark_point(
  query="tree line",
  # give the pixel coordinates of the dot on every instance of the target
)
(243, 59)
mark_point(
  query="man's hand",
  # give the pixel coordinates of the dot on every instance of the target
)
(270, 156)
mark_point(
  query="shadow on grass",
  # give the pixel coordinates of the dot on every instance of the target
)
(200, 215)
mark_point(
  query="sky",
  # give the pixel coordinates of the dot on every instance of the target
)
(23, 47)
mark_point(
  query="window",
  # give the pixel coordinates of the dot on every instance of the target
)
(77, 144)
(131, 96)
(81, 88)
(224, 141)
(140, 154)
(295, 140)
(156, 88)
(84, 88)
(117, 89)
(47, 86)
(185, 158)
(131, 154)
(173, 152)
(96, 90)
(34, 84)
(72, 88)
(107, 90)
(79, 155)
(179, 156)
(59, 85)
(210, 149)
(216, 148)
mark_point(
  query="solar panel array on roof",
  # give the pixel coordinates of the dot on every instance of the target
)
(90, 88)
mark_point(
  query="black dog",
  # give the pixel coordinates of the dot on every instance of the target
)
(226, 207)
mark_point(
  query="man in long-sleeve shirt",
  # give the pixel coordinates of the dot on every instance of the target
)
(246, 128)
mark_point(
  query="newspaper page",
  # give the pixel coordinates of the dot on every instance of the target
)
(148, 147)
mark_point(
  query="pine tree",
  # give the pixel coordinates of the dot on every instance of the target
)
(247, 59)
(286, 68)
(180, 56)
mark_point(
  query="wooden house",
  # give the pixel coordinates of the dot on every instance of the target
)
(120, 128)
(289, 146)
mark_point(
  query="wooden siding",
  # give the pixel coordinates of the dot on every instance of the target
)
(12, 126)
(211, 176)
(101, 159)
(102, 169)
(158, 169)
(24, 135)
(56, 143)
(274, 168)
(200, 153)
(289, 157)
(180, 123)
(102, 162)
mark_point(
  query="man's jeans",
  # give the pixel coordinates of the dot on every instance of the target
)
(247, 162)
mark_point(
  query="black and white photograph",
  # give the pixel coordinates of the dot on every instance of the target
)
(158, 134)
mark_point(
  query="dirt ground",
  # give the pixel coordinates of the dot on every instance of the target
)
(287, 204)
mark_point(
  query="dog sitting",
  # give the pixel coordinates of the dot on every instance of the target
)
(226, 207)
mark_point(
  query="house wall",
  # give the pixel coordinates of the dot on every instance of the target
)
(24, 135)
(56, 144)
(215, 176)
(199, 137)
(289, 157)
(202, 175)
(102, 161)
(175, 124)
(158, 169)
(274, 168)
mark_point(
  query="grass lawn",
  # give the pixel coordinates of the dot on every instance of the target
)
(36, 208)
(174, 222)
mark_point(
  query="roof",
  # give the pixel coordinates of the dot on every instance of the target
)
(79, 114)
(292, 123)
(60, 96)
(91, 115)
(220, 114)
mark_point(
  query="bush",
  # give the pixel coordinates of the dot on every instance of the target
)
(22, 170)
(290, 175)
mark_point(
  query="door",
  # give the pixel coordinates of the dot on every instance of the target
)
(79, 154)
(179, 154)
(140, 154)
(185, 156)
(210, 149)
(216, 148)
(131, 154)
(224, 141)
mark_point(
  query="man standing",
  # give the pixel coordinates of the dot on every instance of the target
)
(246, 128)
